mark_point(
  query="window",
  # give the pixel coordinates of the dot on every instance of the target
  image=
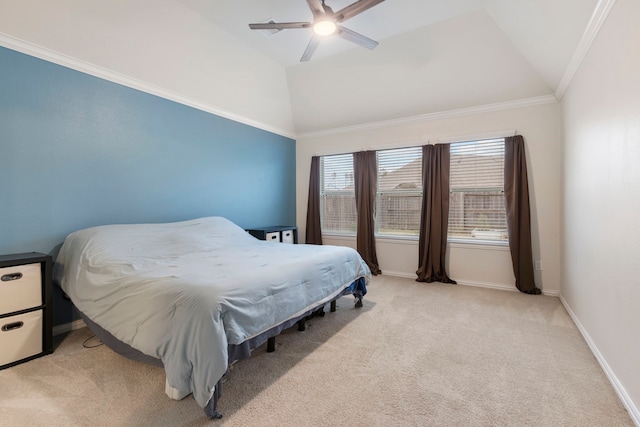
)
(337, 194)
(477, 205)
(399, 195)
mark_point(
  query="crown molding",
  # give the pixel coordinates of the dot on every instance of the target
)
(468, 111)
(593, 27)
(67, 61)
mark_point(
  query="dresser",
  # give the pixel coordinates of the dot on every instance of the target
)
(26, 316)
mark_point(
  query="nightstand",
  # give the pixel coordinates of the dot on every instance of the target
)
(26, 316)
(278, 233)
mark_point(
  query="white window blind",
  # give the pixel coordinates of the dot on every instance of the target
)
(337, 194)
(477, 205)
(399, 193)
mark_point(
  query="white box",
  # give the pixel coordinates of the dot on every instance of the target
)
(20, 287)
(20, 336)
(287, 236)
(272, 237)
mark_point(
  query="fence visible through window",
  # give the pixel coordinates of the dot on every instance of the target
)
(339, 212)
(399, 213)
(477, 205)
(399, 195)
(337, 194)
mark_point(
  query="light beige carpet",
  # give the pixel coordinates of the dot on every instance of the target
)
(417, 354)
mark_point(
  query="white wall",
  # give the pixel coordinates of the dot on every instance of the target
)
(541, 125)
(461, 62)
(146, 40)
(601, 285)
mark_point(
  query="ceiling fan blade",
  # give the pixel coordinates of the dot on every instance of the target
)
(355, 9)
(279, 25)
(311, 48)
(316, 7)
(356, 38)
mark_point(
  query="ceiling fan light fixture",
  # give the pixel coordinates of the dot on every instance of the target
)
(325, 23)
(324, 27)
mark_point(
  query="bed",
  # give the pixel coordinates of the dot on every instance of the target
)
(195, 296)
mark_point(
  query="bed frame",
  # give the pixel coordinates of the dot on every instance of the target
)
(236, 352)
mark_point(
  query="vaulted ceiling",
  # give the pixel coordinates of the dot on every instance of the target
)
(545, 32)
(433, 56)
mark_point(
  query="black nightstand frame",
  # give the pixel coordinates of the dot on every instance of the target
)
(261, 233)
(46, 264)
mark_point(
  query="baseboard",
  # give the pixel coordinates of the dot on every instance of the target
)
(631, 408)
(498, 286)
(502, 287)
(464, 283)
(398, 274)
(68, 327)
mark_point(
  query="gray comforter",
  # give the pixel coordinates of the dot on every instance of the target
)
(182, 292)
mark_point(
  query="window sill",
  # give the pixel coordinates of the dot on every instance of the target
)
(386, 237)
(479, 244)
(334, 234)
(400, 237)
(454, 243)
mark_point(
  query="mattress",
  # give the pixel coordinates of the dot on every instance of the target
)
(184, 292)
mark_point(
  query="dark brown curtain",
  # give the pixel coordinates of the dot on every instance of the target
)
(434, 220)
(365, 178)
(313, 231)
(516, 191)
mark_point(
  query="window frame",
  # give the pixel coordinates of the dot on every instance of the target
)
(472, 189)
(456, 241)
(324, 192)
(404, 158)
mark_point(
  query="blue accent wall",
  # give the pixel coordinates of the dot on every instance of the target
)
(78, 151)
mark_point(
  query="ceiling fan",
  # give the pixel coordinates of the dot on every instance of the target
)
(326, 22)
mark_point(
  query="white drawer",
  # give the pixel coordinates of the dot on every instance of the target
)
(20, 287)
(20, 336)
(287, 236)
(272, 237)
